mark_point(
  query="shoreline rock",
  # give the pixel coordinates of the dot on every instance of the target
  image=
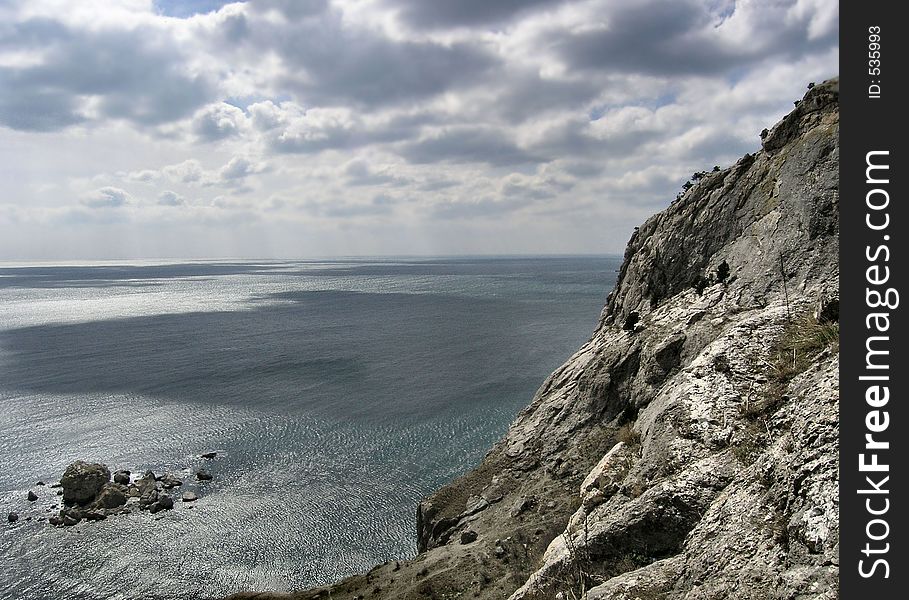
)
(83, 481)
(91, 494)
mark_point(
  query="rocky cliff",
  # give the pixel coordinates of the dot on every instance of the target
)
(689, 448)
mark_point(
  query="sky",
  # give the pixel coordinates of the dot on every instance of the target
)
(308, 128)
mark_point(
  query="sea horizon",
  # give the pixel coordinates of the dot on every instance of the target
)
(165, 260)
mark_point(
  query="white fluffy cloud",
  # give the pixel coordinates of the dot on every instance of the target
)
(106, 197)
(386, 126)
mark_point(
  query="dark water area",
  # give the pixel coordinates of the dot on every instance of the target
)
(337, 394)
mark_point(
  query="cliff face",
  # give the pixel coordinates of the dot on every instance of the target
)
(689, 448)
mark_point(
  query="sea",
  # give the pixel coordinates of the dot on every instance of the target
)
(336, 393)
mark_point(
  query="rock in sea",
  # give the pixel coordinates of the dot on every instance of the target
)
(82, 481)
(148, 497)
(163, 503)
(111, 495)
(32, 496)
(170, 481)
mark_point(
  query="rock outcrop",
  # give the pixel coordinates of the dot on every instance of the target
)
(689, 449)
(83, 481)
(90, 495)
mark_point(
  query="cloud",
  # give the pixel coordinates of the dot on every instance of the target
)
(188, 171)
(33, 108)
(692, 38)
(229, 203)
(106, 197)
(468, 144)
(422, 14)
(329, 61)
(288, 128)
(480, 208)
(144, 176)
(358, 173)
(170, 198)
(379, 205)
(188, 8)
(218, 121)
(239, 168)
(292, 10)
(519, 122)
(96, 74)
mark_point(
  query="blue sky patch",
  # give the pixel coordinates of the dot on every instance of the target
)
(187, 8)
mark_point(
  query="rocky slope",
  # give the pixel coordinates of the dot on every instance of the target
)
(689, 448)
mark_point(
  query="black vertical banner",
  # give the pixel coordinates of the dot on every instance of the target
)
(874, 420)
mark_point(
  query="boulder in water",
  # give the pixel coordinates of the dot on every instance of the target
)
(82, 481)
(146, 483)
(122, 477)
(148, 497)
(111, 495)
(203, 475)
(32, 496)
(170, 481)
(163, 503)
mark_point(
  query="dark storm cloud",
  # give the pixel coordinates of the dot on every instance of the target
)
(442, 14)
(469, 144)
(677, 39)
(133, 76)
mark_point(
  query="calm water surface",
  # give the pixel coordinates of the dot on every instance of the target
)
(337, 394)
